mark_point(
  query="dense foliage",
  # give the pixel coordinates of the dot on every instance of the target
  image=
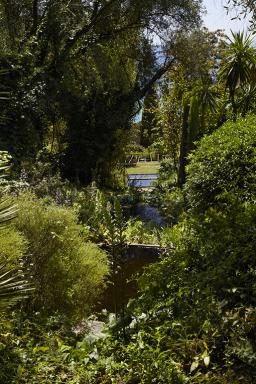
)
(222, 170)
(14, 280)
(194, 320)
(68, 271)
(77, 71)
(87, 88)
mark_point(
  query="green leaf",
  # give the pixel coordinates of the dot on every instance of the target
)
(207, 360)
(2, 346)
(194, 366)
(40, 349)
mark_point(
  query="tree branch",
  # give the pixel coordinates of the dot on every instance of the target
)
(96, 14)
(95, 9)
(106, 36)
(139, 94)
(35, 17)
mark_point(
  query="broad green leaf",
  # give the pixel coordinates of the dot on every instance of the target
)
(207, 360)
(194, 366)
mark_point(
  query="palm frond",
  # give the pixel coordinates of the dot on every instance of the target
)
(14, 286)
(240, 62)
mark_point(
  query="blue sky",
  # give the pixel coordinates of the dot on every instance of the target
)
(217, 17)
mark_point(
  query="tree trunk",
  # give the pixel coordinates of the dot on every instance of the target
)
(183, 148)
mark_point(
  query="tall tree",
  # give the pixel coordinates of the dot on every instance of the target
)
(188, 93)
(243, 9)
(84, 62)
(149, 123)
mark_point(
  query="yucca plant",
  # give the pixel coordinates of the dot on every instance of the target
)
(239, 66)
(13, 287)
(13, 283)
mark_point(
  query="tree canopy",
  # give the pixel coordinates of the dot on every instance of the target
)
(77, 71)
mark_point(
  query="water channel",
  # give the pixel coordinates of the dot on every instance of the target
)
(135, 256)
(122, 286)
(142, 180)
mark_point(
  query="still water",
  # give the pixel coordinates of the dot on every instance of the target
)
(142, 180)
(122, 285)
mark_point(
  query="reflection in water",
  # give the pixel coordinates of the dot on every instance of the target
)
(142, 180)
(149, 214)
(135, 259)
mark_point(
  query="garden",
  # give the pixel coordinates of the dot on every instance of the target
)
(105, 279)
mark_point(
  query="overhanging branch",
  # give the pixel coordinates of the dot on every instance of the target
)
(97, 13)
(139, 94)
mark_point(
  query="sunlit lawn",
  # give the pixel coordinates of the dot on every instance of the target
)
(144, 168)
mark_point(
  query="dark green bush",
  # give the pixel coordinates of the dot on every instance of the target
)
(200, 302)
(40, 349)
(223, 167)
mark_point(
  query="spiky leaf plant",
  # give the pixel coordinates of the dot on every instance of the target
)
(14, 286)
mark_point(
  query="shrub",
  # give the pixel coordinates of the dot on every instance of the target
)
(38, 349)
(13, 245)
(166, 196)
(69, 272)
(138, 232)
(173, 206)
(167, 171)
(201, 299)
(223, 166)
